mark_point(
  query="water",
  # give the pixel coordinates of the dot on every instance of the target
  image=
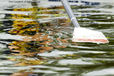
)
(83, 59)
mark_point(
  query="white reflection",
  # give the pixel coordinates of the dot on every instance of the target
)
(74, 62)
(108, 71)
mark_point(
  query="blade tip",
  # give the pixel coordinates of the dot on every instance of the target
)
(98, 41)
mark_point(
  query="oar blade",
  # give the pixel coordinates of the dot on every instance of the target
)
(87, 35)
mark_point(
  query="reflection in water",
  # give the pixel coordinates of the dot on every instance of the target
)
(25, 74)
(47, 49)
(37, 39)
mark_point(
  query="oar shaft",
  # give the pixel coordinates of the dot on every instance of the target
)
(70, 13)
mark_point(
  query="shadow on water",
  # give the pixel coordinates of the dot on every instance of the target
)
(72, 59)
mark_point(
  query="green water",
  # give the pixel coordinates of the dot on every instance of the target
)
(85, 59)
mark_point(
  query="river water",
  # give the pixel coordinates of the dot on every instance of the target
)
(85, 59)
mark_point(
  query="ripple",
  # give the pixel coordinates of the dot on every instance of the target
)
(101, 72)
(3, 63)
(56, 53)
(74, 62)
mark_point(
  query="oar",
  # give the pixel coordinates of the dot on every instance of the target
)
(82, 34)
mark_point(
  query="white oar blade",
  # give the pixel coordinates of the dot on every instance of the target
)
(87, 35)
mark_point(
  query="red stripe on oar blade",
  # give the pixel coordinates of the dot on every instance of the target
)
(91, 40)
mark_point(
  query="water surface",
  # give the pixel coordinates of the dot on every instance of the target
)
(85, 59)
